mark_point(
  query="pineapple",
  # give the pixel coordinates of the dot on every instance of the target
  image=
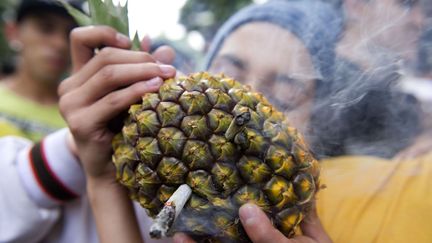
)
(225, 142)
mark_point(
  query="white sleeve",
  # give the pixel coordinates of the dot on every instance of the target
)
(49, 172)
(35, 180)
(21, 220)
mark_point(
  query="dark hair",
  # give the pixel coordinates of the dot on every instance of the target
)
(36, 7)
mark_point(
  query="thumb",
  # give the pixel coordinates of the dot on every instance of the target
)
(258, 226)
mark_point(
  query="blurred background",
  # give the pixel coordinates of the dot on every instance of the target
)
(189, 25)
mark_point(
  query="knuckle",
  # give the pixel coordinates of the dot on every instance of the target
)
(62, 89)
(106, 53)
(75, 34)
(107, 73)
(151, 68)
(74, 124)
(146, 57)
(65, 86)
(108, 31)
(63, 107)
(66, 105)
(138, 92)
(113, 99)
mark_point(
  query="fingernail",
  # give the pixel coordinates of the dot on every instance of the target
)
(167, 69)
(155, 81)
(248, 213)
(122, 39)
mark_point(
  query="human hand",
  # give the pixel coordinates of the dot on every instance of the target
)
(164, 54)
(101, 87)
(260, 229)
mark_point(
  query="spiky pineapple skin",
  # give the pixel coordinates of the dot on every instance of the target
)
(179, 135)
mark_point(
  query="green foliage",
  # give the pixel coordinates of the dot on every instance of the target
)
(105, 13)
(5, 52)
(206, 16)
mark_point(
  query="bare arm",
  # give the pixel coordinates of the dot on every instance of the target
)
(113, 212)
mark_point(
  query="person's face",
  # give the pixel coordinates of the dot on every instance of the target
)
(45, 45)
(272, 61)
(393, 24)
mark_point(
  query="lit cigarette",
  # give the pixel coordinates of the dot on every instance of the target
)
(170, 212)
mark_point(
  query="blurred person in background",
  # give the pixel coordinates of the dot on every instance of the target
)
(40, 36)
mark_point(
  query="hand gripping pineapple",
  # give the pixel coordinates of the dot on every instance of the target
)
(228, 144)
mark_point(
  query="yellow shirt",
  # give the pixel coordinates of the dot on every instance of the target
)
(8, 129)
(22, 117)
(375, 200)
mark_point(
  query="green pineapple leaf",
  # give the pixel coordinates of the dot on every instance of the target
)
(102, 13)
(81, 18)
(136, 44)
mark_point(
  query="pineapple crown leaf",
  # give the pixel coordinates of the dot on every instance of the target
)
(136, 44)
(104, 13)
(81, 18)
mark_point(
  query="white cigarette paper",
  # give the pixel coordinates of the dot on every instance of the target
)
(170, 212)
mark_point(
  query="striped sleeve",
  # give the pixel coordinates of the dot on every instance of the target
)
(21, 220)
(50, 173)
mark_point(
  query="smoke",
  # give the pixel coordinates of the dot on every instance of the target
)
(363, 111)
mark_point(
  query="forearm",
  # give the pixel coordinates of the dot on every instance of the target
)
(113, 212)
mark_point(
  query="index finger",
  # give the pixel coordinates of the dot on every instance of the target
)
(84, 40)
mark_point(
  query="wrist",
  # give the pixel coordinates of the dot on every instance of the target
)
(99, 188)
(103, 181)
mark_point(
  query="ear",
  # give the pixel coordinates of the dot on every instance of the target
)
(11, 31)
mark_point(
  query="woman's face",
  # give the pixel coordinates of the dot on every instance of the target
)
(272, 61)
